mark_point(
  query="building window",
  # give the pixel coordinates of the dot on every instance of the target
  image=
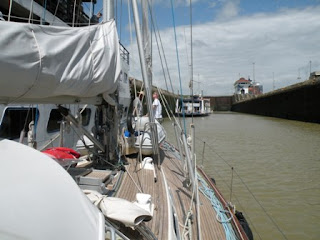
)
(15, 120)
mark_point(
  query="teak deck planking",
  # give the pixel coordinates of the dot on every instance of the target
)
(181, 197)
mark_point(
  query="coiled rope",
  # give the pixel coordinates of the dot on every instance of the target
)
(216, 204)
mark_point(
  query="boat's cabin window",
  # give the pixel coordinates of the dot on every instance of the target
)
(54, 121)
(15, 120)
(85, 115)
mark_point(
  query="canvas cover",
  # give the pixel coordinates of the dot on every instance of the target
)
(51, 62)
(128, 213)
(40, 200)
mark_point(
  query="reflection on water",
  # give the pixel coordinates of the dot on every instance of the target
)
(279, 162)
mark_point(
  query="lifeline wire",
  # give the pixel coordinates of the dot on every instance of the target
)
(255, 198)
(238, 201)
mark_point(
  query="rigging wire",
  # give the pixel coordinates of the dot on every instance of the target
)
(78, 12)
(164, 55)
(74, 12)
(171, 86)
(155, 33)
(116, 15)
(23, 131)
(191, 57)
(120, 30)
(86, 5)
(158, 38)
(91, 13)
(55, 12)
(31, 11)
(177, 53)
(130, 29)
(163, 99)
(26, 119)
(36, 120)
(10, 9)
(44, 11)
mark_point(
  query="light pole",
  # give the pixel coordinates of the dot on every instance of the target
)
(299, 78)
(310, 66)
(273, 83)
(254, 80)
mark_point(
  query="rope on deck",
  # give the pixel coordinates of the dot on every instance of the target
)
(216, 204)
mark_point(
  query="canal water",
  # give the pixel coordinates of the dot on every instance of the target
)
(276, 176)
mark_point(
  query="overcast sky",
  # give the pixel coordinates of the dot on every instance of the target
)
(233, 38)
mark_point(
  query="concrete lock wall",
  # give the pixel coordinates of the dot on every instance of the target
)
(220, 103)
(297, 102)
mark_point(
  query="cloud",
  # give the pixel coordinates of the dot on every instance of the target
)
(230, 9)
(282, 43)
(177, 3)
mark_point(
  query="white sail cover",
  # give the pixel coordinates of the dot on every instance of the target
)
(48, 62)
(40, 200)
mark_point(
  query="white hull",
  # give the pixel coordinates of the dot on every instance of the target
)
(43, 200)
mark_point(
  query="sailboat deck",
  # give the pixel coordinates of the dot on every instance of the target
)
(170, 173)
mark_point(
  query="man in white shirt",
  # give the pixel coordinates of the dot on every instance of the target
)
(157, 108)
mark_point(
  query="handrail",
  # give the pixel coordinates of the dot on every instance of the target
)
(171, 232)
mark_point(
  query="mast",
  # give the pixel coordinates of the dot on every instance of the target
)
(108, 14)
(142, 60)
(146, 80)
(108, 10)
(146, 40)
